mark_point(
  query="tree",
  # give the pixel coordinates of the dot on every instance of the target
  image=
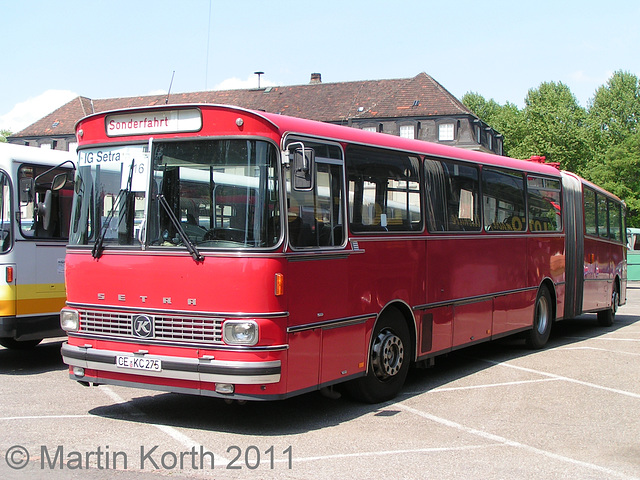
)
(614, 111)
(619, 172)
(4, 134)
(555, 127)
(601, 144)
(505, 119)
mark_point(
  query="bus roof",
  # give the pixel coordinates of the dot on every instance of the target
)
(21, 153)
(592, 185)
(284, 125)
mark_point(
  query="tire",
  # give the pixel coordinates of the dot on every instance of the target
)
(538, 336)
(608, 316)
(14, 344)
(389, 358)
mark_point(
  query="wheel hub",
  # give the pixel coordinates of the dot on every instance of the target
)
(387, 354)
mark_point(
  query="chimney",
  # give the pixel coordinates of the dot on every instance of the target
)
(316, 78)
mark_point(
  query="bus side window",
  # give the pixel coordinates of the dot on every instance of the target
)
(615, 221)
(384, 191)
(504, 202)
(589, 205)
(545, 212)
(452, 196)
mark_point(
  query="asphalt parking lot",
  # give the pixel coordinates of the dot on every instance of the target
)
(494, 411)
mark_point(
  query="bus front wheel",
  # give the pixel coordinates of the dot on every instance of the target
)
(538, 336)
(389, 359)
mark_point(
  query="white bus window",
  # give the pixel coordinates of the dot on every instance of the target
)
(45, 205)
(6, 232)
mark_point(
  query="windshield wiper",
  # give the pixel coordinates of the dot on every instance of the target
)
(191, 247)
(98, 246)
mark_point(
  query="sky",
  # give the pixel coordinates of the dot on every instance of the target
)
(55, 51)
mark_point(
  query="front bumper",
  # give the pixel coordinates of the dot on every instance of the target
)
(177, 368)
(31, 328)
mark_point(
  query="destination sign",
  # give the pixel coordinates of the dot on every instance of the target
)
(150, 122)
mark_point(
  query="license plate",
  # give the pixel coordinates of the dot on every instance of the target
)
(138, 363)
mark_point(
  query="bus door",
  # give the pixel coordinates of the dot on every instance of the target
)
(7, 269)
(45, 204)
(321, 344)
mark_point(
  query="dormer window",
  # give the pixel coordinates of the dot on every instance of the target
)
(408, 131)
(445, 132)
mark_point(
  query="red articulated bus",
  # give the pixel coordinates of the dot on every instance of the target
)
(246, 255)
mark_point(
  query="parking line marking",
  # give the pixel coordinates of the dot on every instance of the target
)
(512, 443)
(45, 417)
(474, 387)
(492, 385)
(602, 350)
(560, 377)
(612, 339)
(185, 440)
(390, 452)
(615, 339)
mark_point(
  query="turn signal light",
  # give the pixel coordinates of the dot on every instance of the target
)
(279, 290)
(9, 274)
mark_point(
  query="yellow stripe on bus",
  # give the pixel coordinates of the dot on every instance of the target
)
(31, 299)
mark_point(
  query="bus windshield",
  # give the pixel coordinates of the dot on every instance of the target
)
(223, 194)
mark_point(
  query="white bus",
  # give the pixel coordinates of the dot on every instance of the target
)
(36, 192)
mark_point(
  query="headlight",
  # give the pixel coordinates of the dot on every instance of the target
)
(240, 332)
(69, 320)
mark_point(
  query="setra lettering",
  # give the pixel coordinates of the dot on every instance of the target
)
(121, 297)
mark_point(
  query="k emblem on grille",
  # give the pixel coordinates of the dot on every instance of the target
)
(142, 326)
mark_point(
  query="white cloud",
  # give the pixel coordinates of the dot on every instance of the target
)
(580, 76)
(25, 113)
(239, 84)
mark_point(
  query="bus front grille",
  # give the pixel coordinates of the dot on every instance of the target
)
(162, 326)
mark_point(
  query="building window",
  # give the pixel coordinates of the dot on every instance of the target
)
(445, 132)
(370, 129)
(407, 131)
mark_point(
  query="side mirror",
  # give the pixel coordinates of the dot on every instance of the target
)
(59, 181)
(303, 168)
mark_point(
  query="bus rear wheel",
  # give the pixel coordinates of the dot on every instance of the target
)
(608, 316)
(389, 359)
(538, 336)
(13, 344)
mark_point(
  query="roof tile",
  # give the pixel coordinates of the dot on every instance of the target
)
(420, 96)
